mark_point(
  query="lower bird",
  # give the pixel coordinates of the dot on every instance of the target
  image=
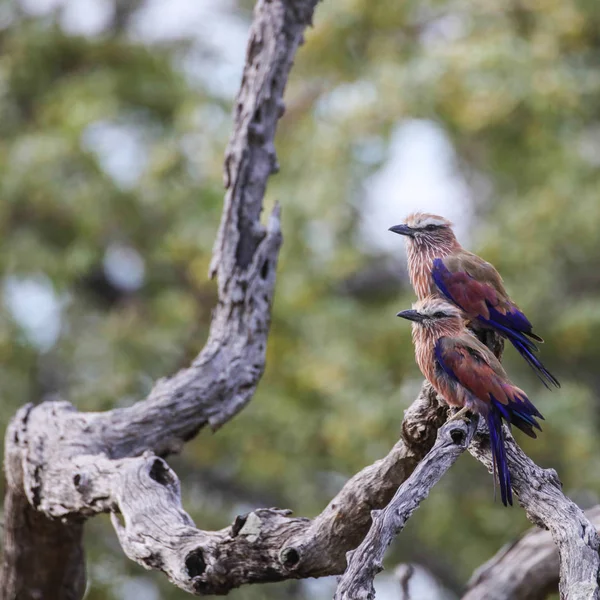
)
(467, 375)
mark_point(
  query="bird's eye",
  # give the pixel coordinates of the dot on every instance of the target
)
(431, 227)
(439, 315)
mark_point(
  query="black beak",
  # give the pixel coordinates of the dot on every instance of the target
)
(411, 315)
(402, 229)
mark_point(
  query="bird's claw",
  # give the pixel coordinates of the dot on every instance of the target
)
(464, 413)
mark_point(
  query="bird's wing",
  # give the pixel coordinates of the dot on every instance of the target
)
(475, 286)
(467, 361)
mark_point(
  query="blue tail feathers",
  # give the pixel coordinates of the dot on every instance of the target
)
(494, 421)
(526, 348)
(534, 362)
(521, 413)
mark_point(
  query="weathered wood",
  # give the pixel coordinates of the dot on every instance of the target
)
(527, 569)
(53, 438)
(367, 560)
(62, 570)
(539, 493)
(143, 496)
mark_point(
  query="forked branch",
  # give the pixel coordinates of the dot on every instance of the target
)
(143, 496)
(367, 560)
(539, 493)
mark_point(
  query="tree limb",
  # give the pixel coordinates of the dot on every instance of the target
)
(539, 493)
(45, 442)
(527, 569)
(154, 530)
(367, 560)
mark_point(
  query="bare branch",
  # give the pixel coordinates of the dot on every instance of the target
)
(524, 570)
(403, 573)
(154, 530)
(45, 443)
(367, 560)
(539, 492)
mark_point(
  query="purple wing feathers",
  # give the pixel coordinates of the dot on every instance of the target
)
(481, 302)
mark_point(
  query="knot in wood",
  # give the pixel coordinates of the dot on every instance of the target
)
(81, 482)
(289, 557)
(458, 436)
(160, 472)
(195, 565)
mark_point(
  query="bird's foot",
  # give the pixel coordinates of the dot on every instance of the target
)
(461, 414)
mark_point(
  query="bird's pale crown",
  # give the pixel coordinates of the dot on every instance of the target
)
(420, 220)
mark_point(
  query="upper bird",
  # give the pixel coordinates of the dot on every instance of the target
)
(467, 374)
(439, 265)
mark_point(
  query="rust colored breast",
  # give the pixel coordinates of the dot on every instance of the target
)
(420, 260)
(425, 357)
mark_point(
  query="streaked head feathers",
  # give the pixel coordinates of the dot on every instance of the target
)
(423, 225)
(431, 310)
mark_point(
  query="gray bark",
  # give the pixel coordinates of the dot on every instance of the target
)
(66, 482)
(47, 445)
(527, 569)
(539, 493)
(367, 560)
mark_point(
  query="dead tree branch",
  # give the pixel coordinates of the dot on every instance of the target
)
(142, 494)
(576, 564)
(524, 570)
(539, 493)
(46, 445)
(367, 560)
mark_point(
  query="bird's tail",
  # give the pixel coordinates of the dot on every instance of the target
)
(519, 411)
(494, 422)
(527, 352)
(527, 349)
(533, 336)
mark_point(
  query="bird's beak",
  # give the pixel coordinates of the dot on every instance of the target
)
(403, 229)
(411, 315)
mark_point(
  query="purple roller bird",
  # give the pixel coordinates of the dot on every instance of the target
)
(466, 374)
(439, 265)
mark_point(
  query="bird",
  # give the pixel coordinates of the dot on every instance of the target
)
(466, 374)
(439, 265)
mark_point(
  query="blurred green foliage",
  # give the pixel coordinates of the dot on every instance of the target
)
(517, 90)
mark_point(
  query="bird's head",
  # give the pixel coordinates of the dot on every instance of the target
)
(426, 228)
(435, 314)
